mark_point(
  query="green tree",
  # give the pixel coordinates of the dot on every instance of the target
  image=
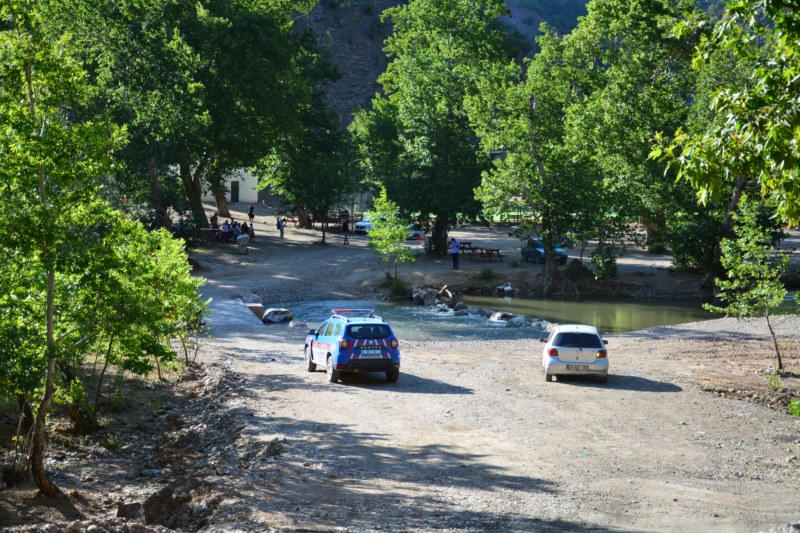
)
(81, 277)
(205, 87)
(131, 295)
(311, 168)
(752, 287)
(635, 78)
(525, 115)
(49, 162)
(389, 233)
(416, 140)
(754, 143)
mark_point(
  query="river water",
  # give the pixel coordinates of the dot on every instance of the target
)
(411, 321)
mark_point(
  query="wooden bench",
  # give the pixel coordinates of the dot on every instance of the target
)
(487, 254)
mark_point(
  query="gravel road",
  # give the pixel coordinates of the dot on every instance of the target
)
(473, 439)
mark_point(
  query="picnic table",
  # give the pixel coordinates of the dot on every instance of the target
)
(219, 235)
(486, 253)
(466, 246)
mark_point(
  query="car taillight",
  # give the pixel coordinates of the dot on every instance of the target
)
(602, 354)
(552, 352)
(344, 344)
(395, 344)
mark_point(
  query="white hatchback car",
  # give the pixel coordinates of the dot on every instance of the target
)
(574, 349)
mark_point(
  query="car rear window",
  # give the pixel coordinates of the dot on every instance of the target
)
(578, 340)
(369, 331)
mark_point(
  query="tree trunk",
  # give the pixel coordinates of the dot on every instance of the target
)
(193, 186)
(223, 209)
(651, 228)
(304, 220)
(774, 342)
(26, 415)
(439, 234)
(47, 487)
(155, 194)
(39, 430)
(726, 229)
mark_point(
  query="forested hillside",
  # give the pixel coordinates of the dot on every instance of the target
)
(353, 34)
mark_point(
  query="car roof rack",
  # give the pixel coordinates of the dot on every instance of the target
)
(367, 313)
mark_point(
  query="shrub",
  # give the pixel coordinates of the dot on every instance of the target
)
(574, 270)
(486, 274)
(605, 263)
(774, 381)
(794, 407)
(398, 288)
(692, 238)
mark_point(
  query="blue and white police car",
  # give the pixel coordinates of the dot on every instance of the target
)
(353, 340)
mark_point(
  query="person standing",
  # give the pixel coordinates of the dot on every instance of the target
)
(281, 226)
(455, 249)
(252, 213)
(345, 225)
(214, 220)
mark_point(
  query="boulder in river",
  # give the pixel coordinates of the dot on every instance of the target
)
(501, 316)
(515, 322)
(273, 315)
(426, 296)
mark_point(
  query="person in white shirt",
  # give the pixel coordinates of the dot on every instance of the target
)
(455, 249)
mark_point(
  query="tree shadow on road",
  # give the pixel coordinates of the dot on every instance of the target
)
(622, 382)
(349, 478)
(407, 384)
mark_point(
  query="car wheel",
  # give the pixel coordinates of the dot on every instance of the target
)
(311, 366)
(393, 375)
(548, 377)
(333, 374)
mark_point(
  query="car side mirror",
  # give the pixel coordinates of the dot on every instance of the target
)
(542, 339)
(605, 341)
(312, 332)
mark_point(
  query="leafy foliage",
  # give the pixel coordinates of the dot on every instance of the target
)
(794, 407)
(753, 287)
(388, 234)
(416, 140)
(70, 284)
(757, 136)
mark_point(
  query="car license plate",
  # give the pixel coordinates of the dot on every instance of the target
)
(577, 367)
(370, 354)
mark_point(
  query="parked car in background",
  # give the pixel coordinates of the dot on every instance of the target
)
(346, 343)
(574, 349)
(533, 250)
(363, 226)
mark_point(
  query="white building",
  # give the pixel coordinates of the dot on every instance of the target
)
(242, 187)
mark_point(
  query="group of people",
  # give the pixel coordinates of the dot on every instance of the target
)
(231, 229)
